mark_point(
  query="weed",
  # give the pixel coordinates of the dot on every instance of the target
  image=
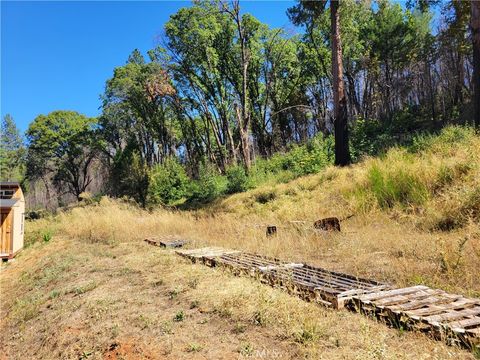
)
(259, 318)
(166, 327)
(179, 316)
(47, 236)
(115, 330)
(309, 332)
(476, 352)
(83, 288)
(239, 328)
(86, 354)
(172, 294)
(265, 197)
(390, 187)
(144, 321)
(192, 283)
(246, 349)
(25, 309)
(194, 347)
(54, 294)
(194, 304)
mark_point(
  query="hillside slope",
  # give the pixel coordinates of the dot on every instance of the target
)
(87, 286)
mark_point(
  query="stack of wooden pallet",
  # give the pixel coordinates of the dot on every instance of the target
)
(329, 288)
(452, 318)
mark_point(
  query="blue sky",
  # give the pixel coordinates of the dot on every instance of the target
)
(58, 55)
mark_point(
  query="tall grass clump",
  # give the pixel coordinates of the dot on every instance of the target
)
(446, 143)
(394, 180)
(438, 175)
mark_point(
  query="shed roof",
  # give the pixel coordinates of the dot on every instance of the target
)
(9, 184)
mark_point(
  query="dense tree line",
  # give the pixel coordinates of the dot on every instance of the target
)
(223, 90)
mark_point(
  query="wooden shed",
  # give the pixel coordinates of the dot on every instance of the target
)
(12, 209)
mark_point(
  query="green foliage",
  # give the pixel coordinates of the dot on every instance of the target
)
(310, 158)
(12, 151)
(179, 316)
(301, 160)
(237, 179)
(62, 144)
(167, 183)
(398, 186)
(369, 138)
(129, 175)
(449, 138)
(47, 236)
(209, 186)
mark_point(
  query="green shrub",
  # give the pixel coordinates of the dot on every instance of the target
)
(209, 186)
(47, 236)
(179, 316)
(237, 179)
(369, 137)
(311, 157)
(129, 175)
(167, 183)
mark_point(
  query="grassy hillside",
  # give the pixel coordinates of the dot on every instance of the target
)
(87, 286)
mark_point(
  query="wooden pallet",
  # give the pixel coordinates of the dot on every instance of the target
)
(166, 243)
(445, 316)
(449, 317)
(205, 255)
(328, 288)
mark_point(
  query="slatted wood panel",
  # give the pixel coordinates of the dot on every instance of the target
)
(453, 318)
(206, 254)
(311, 283)
(170, 243)
(449, 317)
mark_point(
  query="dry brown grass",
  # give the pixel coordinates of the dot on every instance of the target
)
(96, 290)
(73, 298)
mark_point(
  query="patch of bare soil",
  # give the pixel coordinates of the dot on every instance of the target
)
(127, 349)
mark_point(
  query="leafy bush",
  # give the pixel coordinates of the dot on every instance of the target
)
(368, 138)
(129, 175)
(301, 160)
(237, 179)
(209, 185)
(311, 157)
(167, 183)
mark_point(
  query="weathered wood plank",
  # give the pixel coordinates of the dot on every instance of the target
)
(462, 324)
(459, 303)
(451, 316)
(385, 294)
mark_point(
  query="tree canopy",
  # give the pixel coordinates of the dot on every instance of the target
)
(223, 94)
